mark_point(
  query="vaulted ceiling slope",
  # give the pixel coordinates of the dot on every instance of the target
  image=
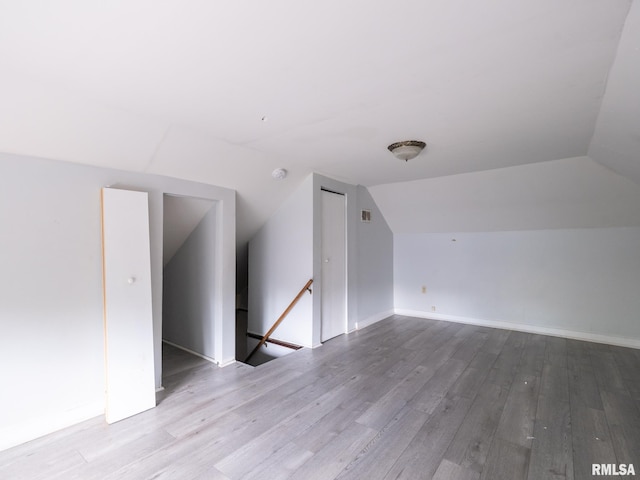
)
(224, 92)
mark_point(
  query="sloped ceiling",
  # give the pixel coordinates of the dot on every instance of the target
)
(616, 140)
(224, 92)
(181, 217)
(569, 193)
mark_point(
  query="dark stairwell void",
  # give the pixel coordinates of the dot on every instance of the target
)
(247, 341)
(258, 345)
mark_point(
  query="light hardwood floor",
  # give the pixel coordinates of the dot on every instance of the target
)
(402, 399)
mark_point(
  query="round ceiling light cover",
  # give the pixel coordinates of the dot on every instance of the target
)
(279, 174)
(407, 150)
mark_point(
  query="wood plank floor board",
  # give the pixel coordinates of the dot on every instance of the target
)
(370, 392)
(623, 418)
(555, 381)
(506, 461)
(208, 473)
(424, 336)
(380, 454)
(323, 433)
(583, 386)
(403, 398)
(448, 470)
(280, 465)
(495, 342)
(406, 363)
(178, 360)
(117, 458)
(39, 464)
(195, 453)
(518, 417)
(438, 386)
(473, 343)
(533, 356)
(441, 337)
(203, 377)
(335, 455)
(506, 365)
(606, 370)
(552, 448)
(55, 443)
(556, 349)
(422, 457)
(218, 405)
(590, 438)
(385, 408)
(267, 443)
(469, 382)
(628, 362)
(519, 414)
(470, 446)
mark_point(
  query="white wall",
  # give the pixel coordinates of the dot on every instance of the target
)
(280, 264)
(374, 263)
(188, 303)
(286, 252)
(51, 345)
(581, 283)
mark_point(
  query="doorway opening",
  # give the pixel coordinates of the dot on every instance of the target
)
(188, 291)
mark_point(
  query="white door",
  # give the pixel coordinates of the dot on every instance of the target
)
(128, 322)
(334, 270)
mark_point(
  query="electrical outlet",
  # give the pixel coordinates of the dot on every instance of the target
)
(424, 289)
(433, 308)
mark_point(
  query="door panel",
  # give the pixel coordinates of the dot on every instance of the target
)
(334, 273)
(128, 321)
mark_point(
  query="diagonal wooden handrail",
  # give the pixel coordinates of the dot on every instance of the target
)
(284, 314)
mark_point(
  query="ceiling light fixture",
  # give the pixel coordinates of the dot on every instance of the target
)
(279, 174)
(407, 150)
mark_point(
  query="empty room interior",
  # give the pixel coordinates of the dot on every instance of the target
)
(319, 240)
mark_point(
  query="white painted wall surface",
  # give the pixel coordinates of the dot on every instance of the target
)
(375, 263)
(581, 282)
(280, 264)
(51, 346)
(188, 308)
(289, 246)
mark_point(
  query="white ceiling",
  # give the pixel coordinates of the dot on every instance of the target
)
(180, 88)
(568, 193)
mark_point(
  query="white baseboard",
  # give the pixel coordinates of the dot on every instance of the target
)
(208, 359)
(26, 431)
(370, 320)
(226, 363)
(554, 332)
(222, 364)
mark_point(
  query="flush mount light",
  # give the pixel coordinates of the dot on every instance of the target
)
(279, 174)
(406, 150)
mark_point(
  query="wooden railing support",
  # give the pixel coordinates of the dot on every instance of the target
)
(279, 321)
